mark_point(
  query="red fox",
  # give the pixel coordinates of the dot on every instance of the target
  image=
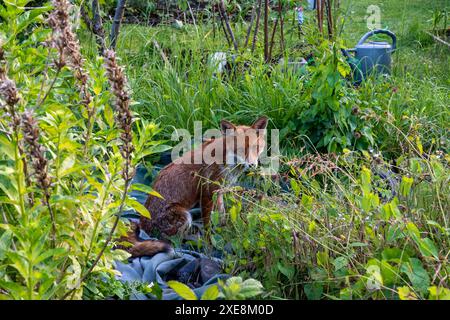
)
(183, 184)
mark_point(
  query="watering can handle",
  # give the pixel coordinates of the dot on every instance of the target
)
(371, 33)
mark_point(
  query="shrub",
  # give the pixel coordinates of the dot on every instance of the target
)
(67, 156)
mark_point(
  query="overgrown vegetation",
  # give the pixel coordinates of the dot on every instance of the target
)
(362, 208)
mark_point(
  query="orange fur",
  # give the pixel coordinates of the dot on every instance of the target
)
(183, 186)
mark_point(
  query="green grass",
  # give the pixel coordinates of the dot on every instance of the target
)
(176, 96)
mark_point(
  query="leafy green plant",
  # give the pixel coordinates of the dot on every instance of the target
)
(338, 236)
(67, 157)
(231, 289)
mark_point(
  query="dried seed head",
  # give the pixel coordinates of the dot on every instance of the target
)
(124, 118)
(8, 92)
(35, 151)
(64, 39)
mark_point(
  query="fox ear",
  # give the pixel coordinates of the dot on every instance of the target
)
(226, 125)
(261, 123)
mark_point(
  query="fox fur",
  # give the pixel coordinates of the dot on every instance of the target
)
(184, 184)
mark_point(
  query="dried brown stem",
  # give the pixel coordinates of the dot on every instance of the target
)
(266, 31)
(258, 17)
(118, 16)
(249, 29)
(227, 24)
(272, 39)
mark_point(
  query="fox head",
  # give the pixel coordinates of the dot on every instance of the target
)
(244, 144)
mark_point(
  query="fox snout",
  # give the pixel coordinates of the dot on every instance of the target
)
(235, 160)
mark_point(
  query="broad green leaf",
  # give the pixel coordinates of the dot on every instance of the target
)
(428, 248)
(138, 207)
(405, 186)
(6, 147)
(405, 293)
(413, 231)
(288, 271)
(417, 274)
(439, 293)
(211, 293)
(182, 290)
(251, 288)
(313, 291)
(374, 278)
(146, 189)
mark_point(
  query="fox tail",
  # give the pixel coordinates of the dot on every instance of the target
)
(140, 247)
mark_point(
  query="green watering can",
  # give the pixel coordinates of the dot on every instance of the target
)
(372, 56)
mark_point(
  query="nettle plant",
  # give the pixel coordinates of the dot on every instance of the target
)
(67, 155)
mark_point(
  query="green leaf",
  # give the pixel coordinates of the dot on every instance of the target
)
(146, 189)
(109, 115)
(313, 291)
(6, 147)
(340, 263)
(374, 277)
(394, 254)
(413, 231)
(428, 248)
(49, 253)
(251, 288)
(417, 274)
(366, 180)
(138, 207)
(211, 293)
(439, 293)
(405, 186)
(404, 293)
(182, 290)
(288, 271)
(234, 211)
